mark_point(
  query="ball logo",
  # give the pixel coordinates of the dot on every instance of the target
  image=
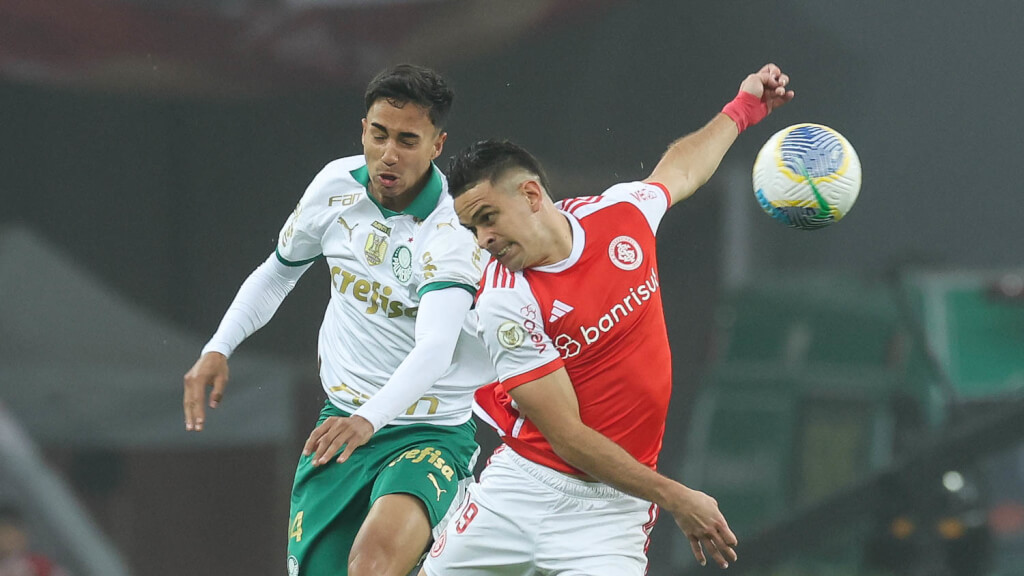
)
(511, 335)
(293, 566)
(625, 253)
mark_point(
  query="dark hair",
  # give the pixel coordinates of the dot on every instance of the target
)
(410, 83)
(490, 160)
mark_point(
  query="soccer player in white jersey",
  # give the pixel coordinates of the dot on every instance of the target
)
(570, 310)
(392, 348)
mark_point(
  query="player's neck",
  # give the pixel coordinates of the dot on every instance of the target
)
(559, 238)
(403, 200)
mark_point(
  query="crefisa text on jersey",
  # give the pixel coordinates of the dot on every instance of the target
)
(371, 293)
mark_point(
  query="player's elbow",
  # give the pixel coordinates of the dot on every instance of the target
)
(567, 439)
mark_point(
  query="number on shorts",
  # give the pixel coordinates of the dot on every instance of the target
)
(295, 530)
(467, 517)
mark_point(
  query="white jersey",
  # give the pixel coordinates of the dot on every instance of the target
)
(381, 262)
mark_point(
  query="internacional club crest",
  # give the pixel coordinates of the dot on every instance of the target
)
(625, 253)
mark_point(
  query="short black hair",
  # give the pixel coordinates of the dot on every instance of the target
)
(490, 160)
(406, 83)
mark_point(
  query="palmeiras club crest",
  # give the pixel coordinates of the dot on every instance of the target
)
(401, 264)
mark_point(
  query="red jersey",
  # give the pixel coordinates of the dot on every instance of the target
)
(599, 314)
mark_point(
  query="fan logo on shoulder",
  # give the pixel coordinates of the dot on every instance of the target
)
(293, 566)
(401, 264)
(511, 335)
(625, 253)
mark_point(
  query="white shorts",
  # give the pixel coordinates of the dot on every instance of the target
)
(524, 519)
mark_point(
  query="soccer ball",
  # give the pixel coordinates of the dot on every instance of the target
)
(807, 176)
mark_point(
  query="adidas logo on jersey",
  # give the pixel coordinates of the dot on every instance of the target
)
(559, 309)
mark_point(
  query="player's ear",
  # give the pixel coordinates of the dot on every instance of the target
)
(533, 192)
(439, 144)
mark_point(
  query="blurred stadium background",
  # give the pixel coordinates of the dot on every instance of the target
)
(854, 397)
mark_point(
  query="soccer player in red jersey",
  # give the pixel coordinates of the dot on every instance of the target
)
(570, 310)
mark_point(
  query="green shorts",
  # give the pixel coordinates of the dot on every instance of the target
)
(330, 502)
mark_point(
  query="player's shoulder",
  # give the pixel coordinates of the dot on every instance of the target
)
(348, 172)
(345, 165)
(337, 184)
(443, 212)
(625, 193)
(498, 281)
(638, 197)
(442, 225)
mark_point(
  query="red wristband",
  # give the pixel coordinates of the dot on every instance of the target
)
(745, 110)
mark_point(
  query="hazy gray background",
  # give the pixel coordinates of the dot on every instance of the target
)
(160, 145)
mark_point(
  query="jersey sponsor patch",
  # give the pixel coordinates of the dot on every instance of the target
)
(567, 347)
(625, 253)
(432, 456)
(375, 249)
(647, 193)
(634, 300)
(511, 335)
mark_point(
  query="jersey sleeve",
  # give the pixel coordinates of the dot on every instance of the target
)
(299, 241)
(651, 198)
(450, 258)
(512, 328)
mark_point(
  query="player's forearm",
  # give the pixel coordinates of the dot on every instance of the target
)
(694, 158)
(413, 378)
(438, 325)
(597, 455)
(255, 304)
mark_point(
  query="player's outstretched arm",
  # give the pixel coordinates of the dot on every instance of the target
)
(690, 161)
(257, 300)
(550, 403)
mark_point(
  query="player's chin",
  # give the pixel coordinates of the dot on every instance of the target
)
(512, 263)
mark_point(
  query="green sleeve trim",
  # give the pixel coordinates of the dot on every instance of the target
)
(442, 285)
(287, 262)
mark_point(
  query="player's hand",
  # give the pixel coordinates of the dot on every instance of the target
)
(698, 517)
(211, 370)
(327, 439)
(770, 85)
